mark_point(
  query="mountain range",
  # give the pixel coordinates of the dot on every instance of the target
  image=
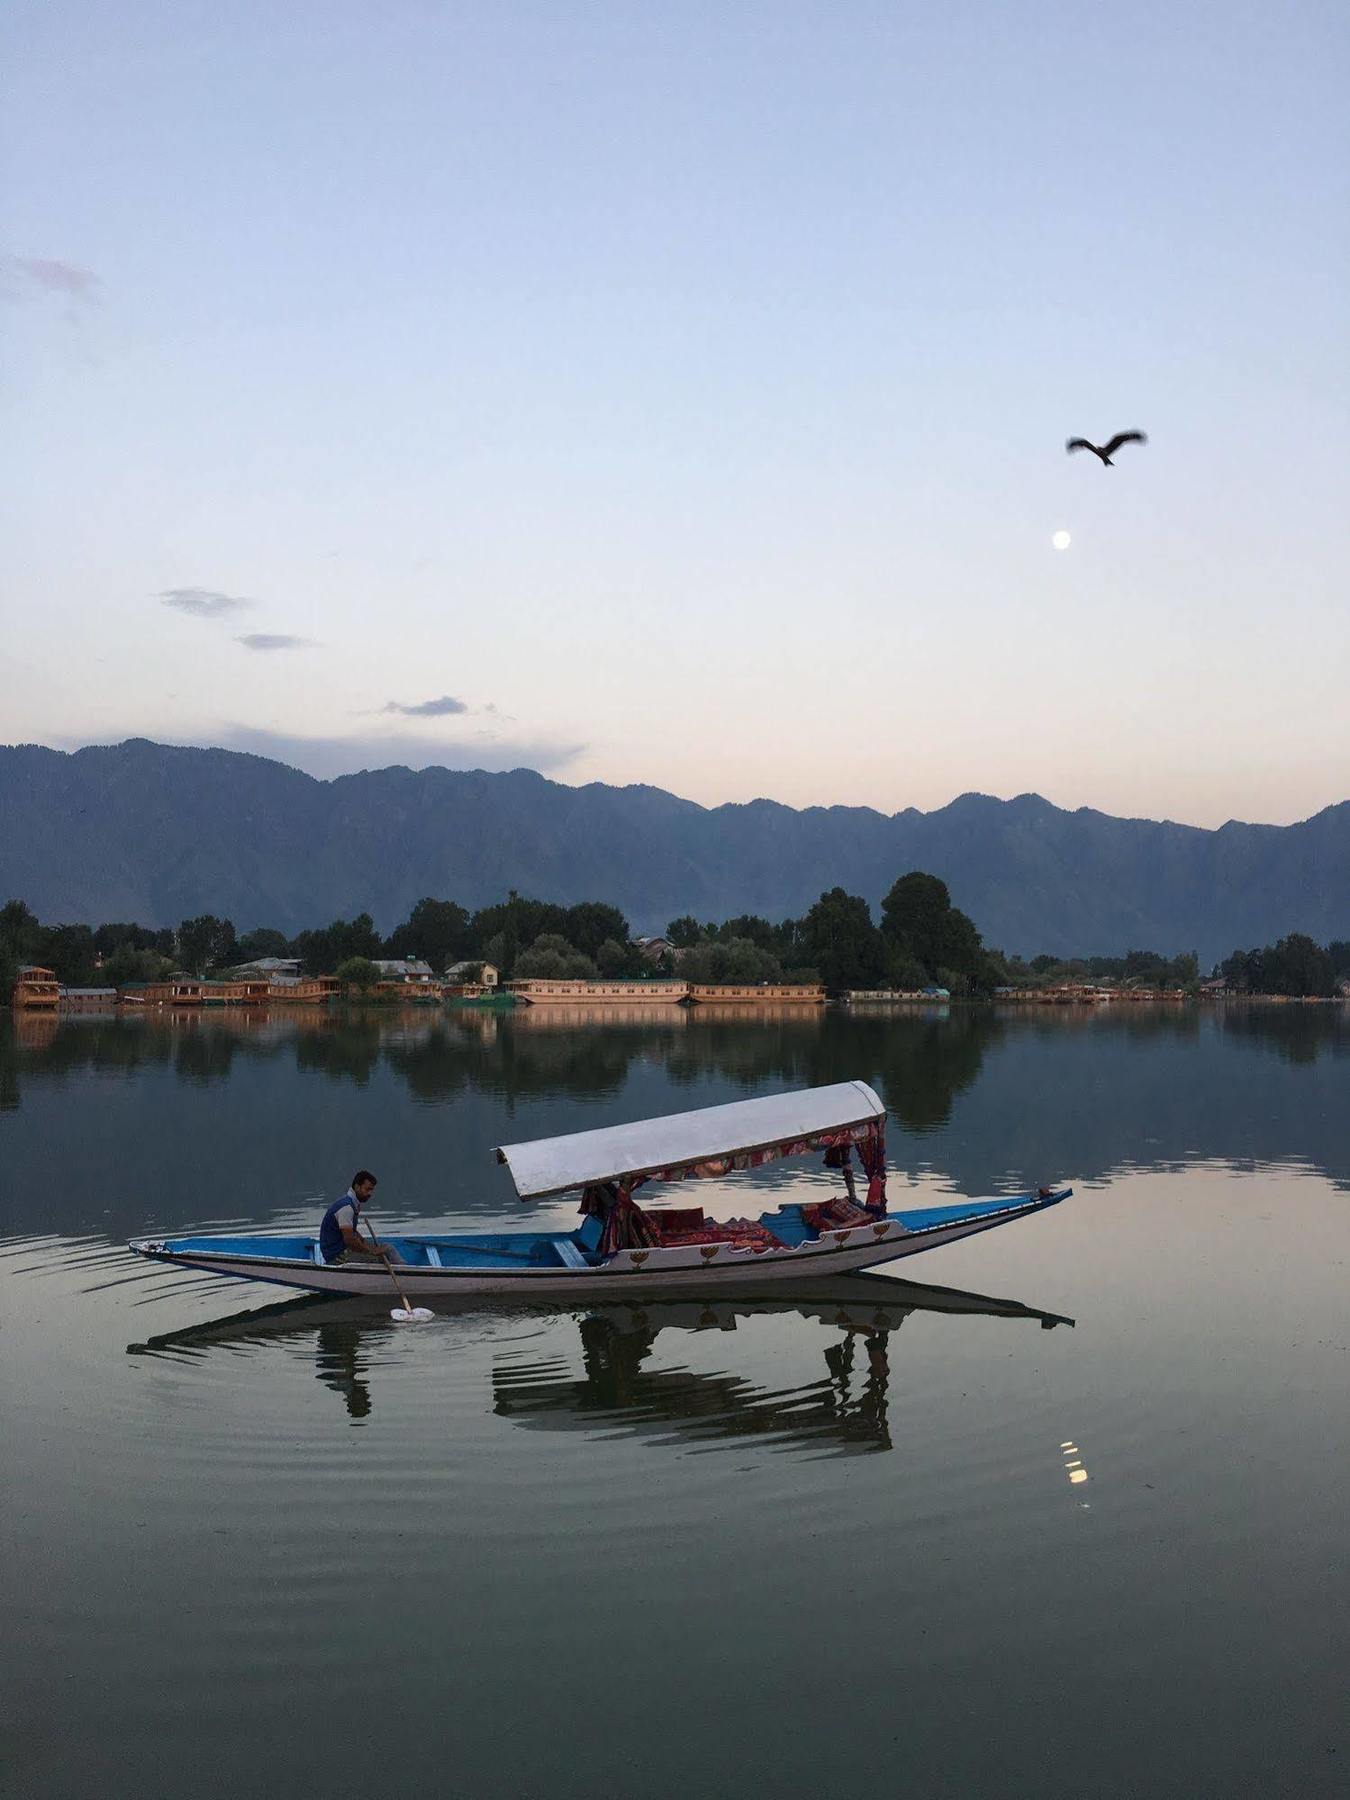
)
(156, 833)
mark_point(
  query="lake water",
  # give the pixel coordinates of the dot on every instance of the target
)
(898, 1541)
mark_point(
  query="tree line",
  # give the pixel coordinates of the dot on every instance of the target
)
(1295, 966)
(921, 940)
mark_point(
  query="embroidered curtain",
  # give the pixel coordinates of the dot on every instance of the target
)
(872, 1156)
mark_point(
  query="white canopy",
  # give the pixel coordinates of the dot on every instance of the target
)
(682, 1140)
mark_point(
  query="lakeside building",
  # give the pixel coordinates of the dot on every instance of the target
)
(270, 968)
(284, 980)
(535, 991)
(770, 993)
(653, 949)
(36, 990)
(471, 980)
(408, 979)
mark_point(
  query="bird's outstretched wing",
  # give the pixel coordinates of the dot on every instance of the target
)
(1124, 437)
(1079, 444)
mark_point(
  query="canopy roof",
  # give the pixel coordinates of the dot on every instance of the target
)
(673, 1147)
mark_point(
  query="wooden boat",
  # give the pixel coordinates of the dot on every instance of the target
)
(621, 1248)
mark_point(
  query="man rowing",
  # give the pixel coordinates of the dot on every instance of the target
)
(339, 1237)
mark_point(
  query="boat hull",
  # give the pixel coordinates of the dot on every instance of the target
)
(703, 1267)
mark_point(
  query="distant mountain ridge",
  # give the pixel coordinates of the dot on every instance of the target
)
(157, 833)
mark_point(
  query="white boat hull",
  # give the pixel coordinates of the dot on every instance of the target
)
(704, 1267)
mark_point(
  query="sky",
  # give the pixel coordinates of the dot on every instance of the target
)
(677, 393)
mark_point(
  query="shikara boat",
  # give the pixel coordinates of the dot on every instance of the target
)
(621, 1247)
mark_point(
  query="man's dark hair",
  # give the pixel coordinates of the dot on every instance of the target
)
(363, 1175)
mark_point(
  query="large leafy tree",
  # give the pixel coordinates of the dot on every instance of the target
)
(68, 951)
(921, 926)
(590, 923)
(1295, 966)
(749, 925)
(438, 931)
(127, 964)
(551, 957)
(842, 942)
(618, 961)
(499, 932)
(262, 941)
(321, 951)
(20, 931)
(684, 932)
(736, 960)
(205, 943)
(112, 937)
(357, 972)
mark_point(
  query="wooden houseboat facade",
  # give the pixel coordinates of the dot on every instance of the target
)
(178, 990)
(302, 990)
(536, 991)
(247, 992)
(36, 990)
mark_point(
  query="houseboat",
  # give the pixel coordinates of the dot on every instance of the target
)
(537, 992)
(302, 990)
(88, 999)
(178, 990)
(236, 993)
(36, 990)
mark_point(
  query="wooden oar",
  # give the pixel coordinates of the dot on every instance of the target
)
(406, 1315)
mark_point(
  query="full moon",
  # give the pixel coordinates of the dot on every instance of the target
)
(1061, 540)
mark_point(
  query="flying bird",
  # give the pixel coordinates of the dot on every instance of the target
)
(1107, 451)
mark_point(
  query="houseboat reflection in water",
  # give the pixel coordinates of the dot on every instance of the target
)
(828, 1398)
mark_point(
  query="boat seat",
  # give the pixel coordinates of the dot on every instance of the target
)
(318, 1255)
(434, 1256)
(569, 1253)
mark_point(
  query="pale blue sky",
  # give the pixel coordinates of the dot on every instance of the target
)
(683, 388)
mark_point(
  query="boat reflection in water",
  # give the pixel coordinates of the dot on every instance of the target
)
(835, 1405)
(831, 1399)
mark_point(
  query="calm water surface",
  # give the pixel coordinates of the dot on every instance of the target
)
(896, 1538)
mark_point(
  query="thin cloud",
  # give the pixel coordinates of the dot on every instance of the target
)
(428, 709)
(24, 275)
(203, 603)
(275, 640)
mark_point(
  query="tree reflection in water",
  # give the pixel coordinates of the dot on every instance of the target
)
(1040, 1091)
